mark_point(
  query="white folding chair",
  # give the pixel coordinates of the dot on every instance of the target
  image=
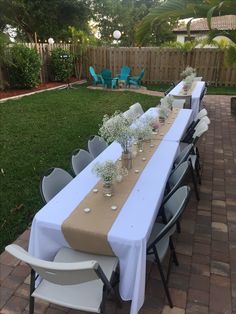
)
(160, 239)
(137, 109)
(74, 279)
(80, 158)
(96, 145)
(52, 182)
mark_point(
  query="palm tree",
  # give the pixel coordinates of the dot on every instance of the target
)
(180, 9)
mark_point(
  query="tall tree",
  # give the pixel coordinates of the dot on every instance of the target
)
(177, 9)
(46, 18)
(125, 15)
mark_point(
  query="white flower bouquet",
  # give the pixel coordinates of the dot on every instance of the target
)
(163, 112)
(188, 81)
(167, 102)
(106, 170)
(117, 128)
(142, 130)
(188, 71)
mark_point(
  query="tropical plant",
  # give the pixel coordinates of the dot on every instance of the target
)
(24, 68)
(61, 64)
(180, 9)
(185, 47)
(5, 58)
(80, 41)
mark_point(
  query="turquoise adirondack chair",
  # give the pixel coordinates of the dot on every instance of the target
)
(136, 80)
(124, 75)
(97, 78)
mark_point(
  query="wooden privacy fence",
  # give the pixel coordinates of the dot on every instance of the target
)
(163, 64)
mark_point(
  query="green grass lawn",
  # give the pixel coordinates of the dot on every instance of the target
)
(211, 90)
(41, 131)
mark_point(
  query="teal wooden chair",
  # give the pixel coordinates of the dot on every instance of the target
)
(124, 75)
(97, 78)
(136, 80)
(107, 77)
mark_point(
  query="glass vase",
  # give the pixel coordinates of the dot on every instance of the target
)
(107, 188)
(126, 160)
(140, 145)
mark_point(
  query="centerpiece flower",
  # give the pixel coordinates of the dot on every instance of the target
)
(117, 128)
(106, 170)
(188, 71)
(167, 102)
(142, 131)
(188, 81)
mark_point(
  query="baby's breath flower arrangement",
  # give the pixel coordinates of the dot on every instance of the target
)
(117, 128)
(142, 131)
(106, 170)
(188, 71)
(188, 81)
(167, 102)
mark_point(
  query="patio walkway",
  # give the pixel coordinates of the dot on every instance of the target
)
(205, 281)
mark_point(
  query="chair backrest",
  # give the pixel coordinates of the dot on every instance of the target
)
(106, 74)
(204, 119)
(183, 155)
(141, 75)
(200, 130)
(176, 206)
(124, 72)
(201, 114)
(93, 74)
(80, 158)
(175, 201)
(176, 179)
(52, 182)
(187, 98)
(96, 145)
(58, 273)
(137, 109)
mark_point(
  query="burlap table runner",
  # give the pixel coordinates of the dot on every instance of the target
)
(88, 231)
(189, 92)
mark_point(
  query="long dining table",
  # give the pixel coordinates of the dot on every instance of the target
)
(195, 95)
(131, 229)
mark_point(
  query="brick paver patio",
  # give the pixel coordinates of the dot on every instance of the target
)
(205, 281)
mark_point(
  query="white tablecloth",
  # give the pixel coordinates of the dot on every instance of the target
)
(178, 127)
(196, 93)
(128, 235)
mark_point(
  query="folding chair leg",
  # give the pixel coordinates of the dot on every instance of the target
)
(178, 226)
(174, 253)
(194, 183)
(163, 278)
(198, 168)
(32, 288)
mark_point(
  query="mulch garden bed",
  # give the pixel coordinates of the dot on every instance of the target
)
(42, 86)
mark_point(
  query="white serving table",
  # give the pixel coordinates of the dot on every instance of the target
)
(128, 235)
(196, 94)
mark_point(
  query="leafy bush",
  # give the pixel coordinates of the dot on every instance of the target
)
(24, 68)
(61, 64)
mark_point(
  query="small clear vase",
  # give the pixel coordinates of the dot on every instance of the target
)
(126, 160)
(107, 188)
(140, 145)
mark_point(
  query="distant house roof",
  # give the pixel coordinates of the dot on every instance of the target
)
(225, 22)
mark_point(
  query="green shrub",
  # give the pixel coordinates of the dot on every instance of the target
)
(24, 68)
(61, 65)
